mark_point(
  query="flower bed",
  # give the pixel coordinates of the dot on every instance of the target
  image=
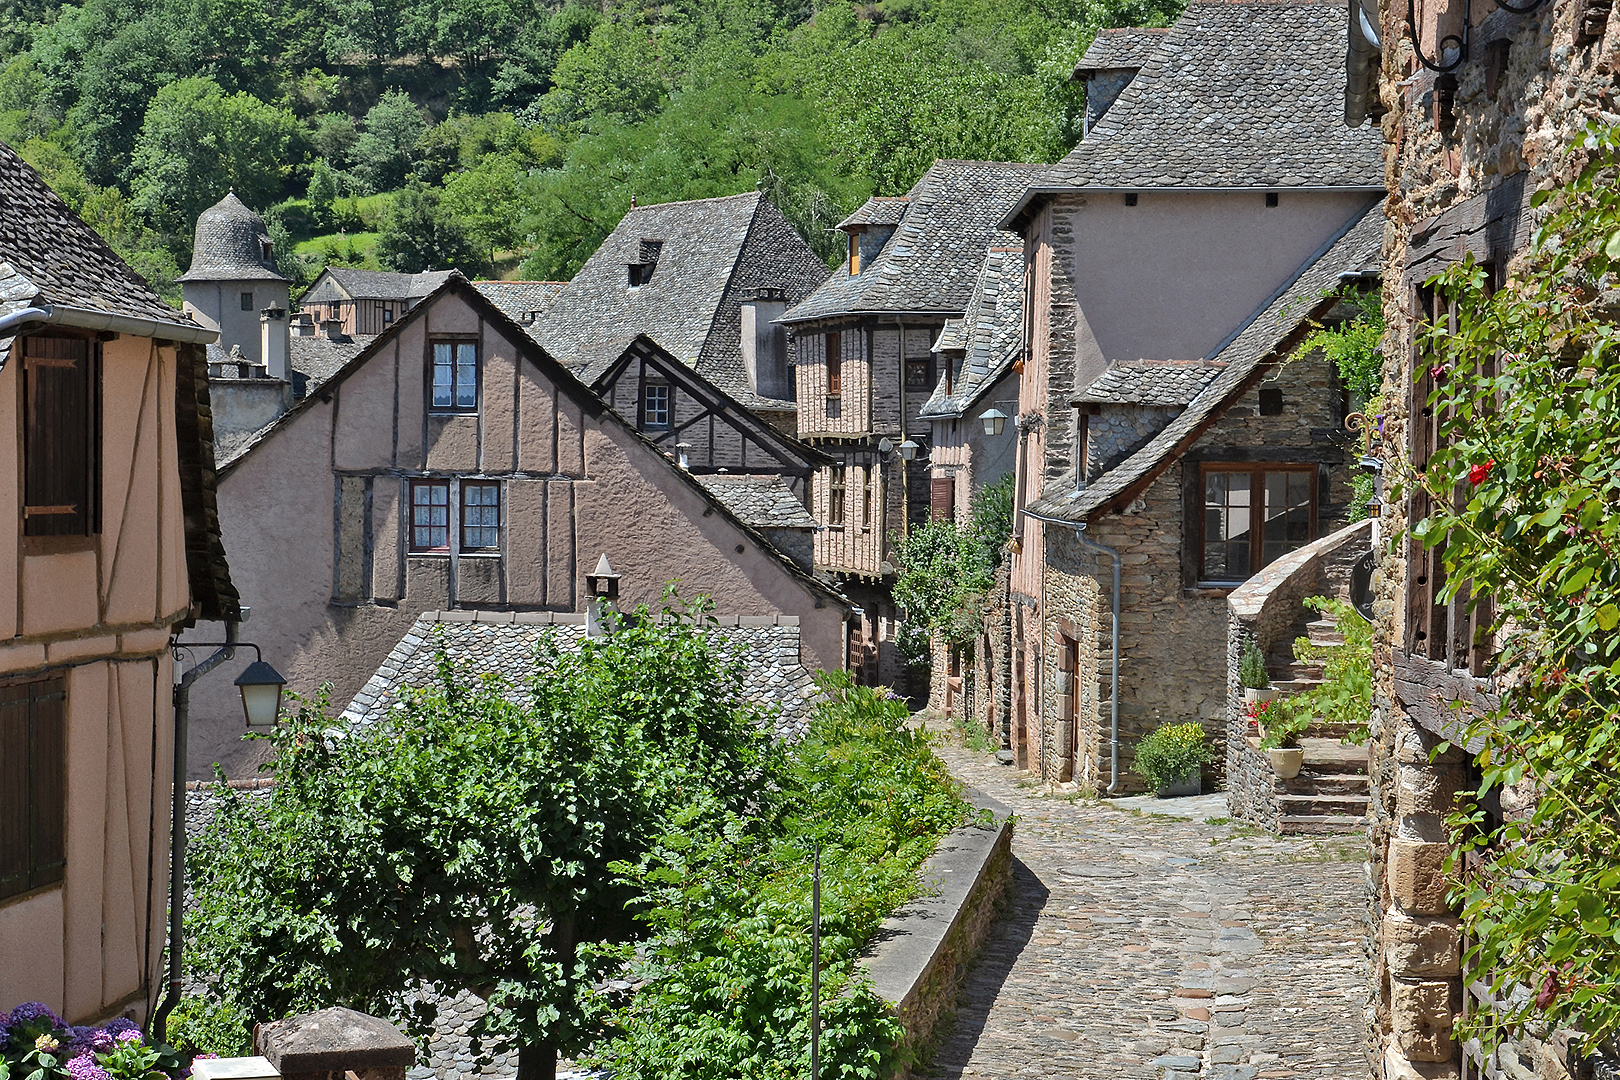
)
(37, 1044)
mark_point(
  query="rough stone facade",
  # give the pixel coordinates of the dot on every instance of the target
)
(1465, 151)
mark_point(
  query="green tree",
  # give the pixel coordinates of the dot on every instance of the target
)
(419, 234)
(466, 840)
(943, 575)
(323, 192)
(385, 149)
(198, 142)
(483, 202)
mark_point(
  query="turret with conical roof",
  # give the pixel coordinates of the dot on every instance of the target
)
(233, 284)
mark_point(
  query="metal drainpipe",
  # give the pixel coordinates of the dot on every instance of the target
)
(905, 466)
(18, 319)
(1079, 528)
(177, 847)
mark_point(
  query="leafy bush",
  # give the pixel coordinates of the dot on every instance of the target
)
(726, 898)
(1354, 347)
(1252, 671)
(200, 1025)
(1345, 695)
(37, 1044)
(1171, 753)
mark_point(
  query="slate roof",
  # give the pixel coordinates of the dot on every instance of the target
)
(931, 263)
(1267, 338)
(381, 284)
(1239, 94)
(49, 256)
(1151, 382)
(712, 252)
(229, 245)
(765, 502)
(877, 210)
(766, 649)
(522, 301)
(990, 333)
(1125, 47)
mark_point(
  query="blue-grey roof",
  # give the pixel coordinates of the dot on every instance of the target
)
(712, 252)
(1264, 340)
(522, 301)
(1239, 94)
(989, 334)
(1127, 47)
(1151, 382)
(932, 261)
(763, 501)
(231, 245)
(878, 210)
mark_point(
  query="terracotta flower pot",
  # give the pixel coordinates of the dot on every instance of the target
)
(1252, 696)
(1286, 761)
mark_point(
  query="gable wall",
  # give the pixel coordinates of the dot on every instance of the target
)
(317, 518)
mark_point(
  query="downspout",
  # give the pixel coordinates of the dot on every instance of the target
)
(905, 466)
(1079, 528)
(18, 319)
(177, 847)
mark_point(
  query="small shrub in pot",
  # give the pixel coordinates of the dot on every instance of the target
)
(1172, 753)
(1252, 668)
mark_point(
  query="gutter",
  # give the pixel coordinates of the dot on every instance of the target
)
(1009, 222)
(91, 319)
(1079, 528)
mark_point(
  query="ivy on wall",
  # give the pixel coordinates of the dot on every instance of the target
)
(1527, 484)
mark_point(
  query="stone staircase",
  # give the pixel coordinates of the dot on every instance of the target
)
(1331, 792)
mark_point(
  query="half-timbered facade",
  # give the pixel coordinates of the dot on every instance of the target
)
(106, 472)
(365, 302)
(864, 368)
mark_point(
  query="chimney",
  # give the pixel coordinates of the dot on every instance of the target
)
(273, 344)
(303, 325)
(764, 347)
(332, 330)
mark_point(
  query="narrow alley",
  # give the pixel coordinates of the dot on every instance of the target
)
(1138, 944)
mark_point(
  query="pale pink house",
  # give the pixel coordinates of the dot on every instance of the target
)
(454, 465)
(106, 469)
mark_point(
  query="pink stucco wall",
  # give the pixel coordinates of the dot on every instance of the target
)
(100, 615)
(575, 486)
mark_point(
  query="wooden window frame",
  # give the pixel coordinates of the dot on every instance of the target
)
(837, 490)
(456, 366)
(50, 443)
(463, 526)
(247, 300)
(925, 365)
(868, 497)
(1257, 471)
(647, 420)
(834, 359)
(854, 254)
(449, 526)
(33, 791)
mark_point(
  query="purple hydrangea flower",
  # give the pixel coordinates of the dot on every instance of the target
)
(30, 1012)
(84, 1067)
(133, 1036)
(120, 1024)
(93, 1039)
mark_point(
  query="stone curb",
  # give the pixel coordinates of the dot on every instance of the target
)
(919, 957)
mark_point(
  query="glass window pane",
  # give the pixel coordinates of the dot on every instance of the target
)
(1215, 488)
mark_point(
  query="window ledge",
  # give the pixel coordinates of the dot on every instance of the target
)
(480, 554)
(427, 554)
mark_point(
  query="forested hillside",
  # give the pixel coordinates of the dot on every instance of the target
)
(508, 136)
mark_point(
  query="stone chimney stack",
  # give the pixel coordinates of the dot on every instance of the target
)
(273, 345)
(764, 345)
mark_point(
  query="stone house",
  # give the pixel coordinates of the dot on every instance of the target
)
(1169, 263)
(109, 476)
(865, 367)
(453, 465)
(1473, 127)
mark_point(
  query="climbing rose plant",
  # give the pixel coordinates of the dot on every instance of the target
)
(1528, 490)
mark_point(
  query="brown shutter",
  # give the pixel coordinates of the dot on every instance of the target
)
(49, 825)
(14, 796)
(59, 438)
(942, 498)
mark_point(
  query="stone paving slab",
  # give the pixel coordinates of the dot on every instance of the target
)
(1144, 945)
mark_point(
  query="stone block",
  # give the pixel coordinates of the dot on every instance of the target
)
(1428, 789)
(1417, 876)
(333, 1042)
(1398, 1067)
(1422, 1014)
(1422, 947)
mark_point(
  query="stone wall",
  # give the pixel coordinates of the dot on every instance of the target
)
(1266, 609)
(1459, 174)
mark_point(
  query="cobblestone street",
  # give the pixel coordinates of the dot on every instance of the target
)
(1142, 945)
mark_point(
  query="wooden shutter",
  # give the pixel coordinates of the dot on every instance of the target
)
(942, 498)
(835, 363)
(59, 439)
(32, 784)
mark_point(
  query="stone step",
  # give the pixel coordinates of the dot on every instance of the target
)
(1329, 756)
(1312, 782)
(1291, 805)
(1321, 824)
(1294, 686)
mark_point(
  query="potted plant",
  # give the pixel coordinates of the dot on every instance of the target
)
(1170, 757)
(1284, 726)
(1257, 712)
(1253, 675)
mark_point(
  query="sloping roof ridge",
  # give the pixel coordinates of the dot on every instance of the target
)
(731, 276)
(689, 202)
(1150, 461)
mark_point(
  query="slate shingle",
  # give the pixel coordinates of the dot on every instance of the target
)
(1121, 48)
(230, 245)
(931, 263)
(522, 301)
(765, 502)
(989, 333)
(1239, 94)
(1151, 382)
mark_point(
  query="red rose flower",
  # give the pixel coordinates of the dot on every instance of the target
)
(1478, 473)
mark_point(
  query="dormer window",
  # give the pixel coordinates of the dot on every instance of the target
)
(854, 253)
(641, 271)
